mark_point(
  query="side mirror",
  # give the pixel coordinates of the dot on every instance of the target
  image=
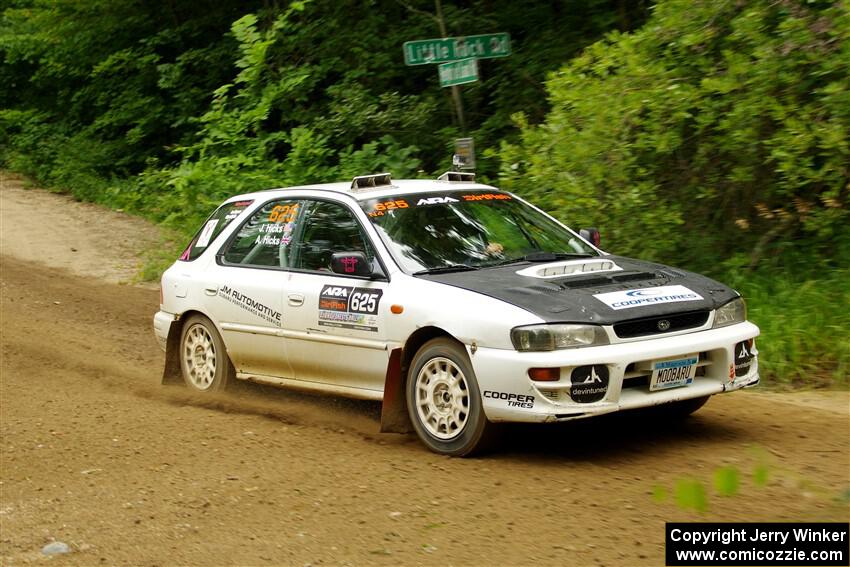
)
(591, 235)
(351, 264)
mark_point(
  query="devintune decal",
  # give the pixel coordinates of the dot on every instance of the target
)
(349, 307)
(252, 306)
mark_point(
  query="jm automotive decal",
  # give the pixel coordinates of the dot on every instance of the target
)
(649, 296)
(250, 305)
(349, 307)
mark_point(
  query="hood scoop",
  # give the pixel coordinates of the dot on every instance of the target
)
(611, 279)
(570, 268)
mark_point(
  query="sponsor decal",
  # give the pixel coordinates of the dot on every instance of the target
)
(349, 307)
(436, 201)
(486, 197)
(250, 305)
(589, 383)
(743, 358)
(206, 234)
(617, 300)
(514, 400)
(349, 264)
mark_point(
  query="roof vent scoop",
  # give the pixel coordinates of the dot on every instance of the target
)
(371, 181)
(457, 177)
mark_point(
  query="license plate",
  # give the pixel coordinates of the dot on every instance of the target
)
(673, 373)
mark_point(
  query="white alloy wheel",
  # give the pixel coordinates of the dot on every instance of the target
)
(203, 358)
(199, 356)
(444, 402)
(442, 398)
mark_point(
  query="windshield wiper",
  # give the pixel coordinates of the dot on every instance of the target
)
(446, 269)
(542, 257)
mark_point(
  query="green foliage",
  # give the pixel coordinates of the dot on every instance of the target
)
(804, 322)
(690, 494)
(726, 123)
(726, 481)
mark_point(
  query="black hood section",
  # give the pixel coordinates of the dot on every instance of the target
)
(570, 299)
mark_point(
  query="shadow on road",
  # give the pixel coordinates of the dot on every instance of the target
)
(630, 433)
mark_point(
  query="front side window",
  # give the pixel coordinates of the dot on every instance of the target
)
(266, 238)
(328, 228)
(472, 229)
(214, 226)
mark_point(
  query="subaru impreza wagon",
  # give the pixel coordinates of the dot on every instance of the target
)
(455, 304)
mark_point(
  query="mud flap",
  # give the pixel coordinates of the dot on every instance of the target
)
(172, 374)
(394, 417)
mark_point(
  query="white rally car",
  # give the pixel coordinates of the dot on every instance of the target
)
(456, 304)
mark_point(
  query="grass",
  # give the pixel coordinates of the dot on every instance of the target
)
(805, 326)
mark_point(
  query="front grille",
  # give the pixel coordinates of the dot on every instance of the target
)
(650, 325)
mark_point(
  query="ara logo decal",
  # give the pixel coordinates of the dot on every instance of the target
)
(335, 291)
(436, 201)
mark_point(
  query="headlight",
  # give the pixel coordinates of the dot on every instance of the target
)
(733, 312)
(555, 337)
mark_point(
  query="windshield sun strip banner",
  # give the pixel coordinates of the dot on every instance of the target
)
(379, 207)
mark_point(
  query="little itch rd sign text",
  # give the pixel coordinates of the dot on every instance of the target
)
(487, 46)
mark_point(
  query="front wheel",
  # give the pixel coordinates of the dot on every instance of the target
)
(203, 358)
(444, 402)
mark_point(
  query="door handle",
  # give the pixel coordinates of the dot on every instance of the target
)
(296, 299)
(211, 290)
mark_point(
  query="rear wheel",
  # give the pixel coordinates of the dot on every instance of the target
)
(444, 401)
(203, 358)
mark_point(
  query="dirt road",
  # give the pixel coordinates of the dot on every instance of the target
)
(96, 454)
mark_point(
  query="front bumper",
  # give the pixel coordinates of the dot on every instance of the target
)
(162, 322)
(510, 395)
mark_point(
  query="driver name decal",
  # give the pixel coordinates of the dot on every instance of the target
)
(617, 300)
(349, 307)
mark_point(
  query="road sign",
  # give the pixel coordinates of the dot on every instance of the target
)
(487, 46)
(464, 157)
(458, 72)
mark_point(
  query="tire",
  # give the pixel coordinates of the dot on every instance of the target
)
(203, 358)
(444, 402)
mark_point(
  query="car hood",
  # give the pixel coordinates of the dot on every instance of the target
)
(576, 298)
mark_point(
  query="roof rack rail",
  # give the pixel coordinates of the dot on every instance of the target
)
(457, 177)
(370, 181)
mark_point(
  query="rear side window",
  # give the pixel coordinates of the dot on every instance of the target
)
(217, 222)
(265, 237)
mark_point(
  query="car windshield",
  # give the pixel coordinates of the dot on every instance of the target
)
(461, 230)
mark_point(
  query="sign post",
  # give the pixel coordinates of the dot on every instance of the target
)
(459, 65)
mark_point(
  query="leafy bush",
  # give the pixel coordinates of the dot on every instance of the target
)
(716, 128)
